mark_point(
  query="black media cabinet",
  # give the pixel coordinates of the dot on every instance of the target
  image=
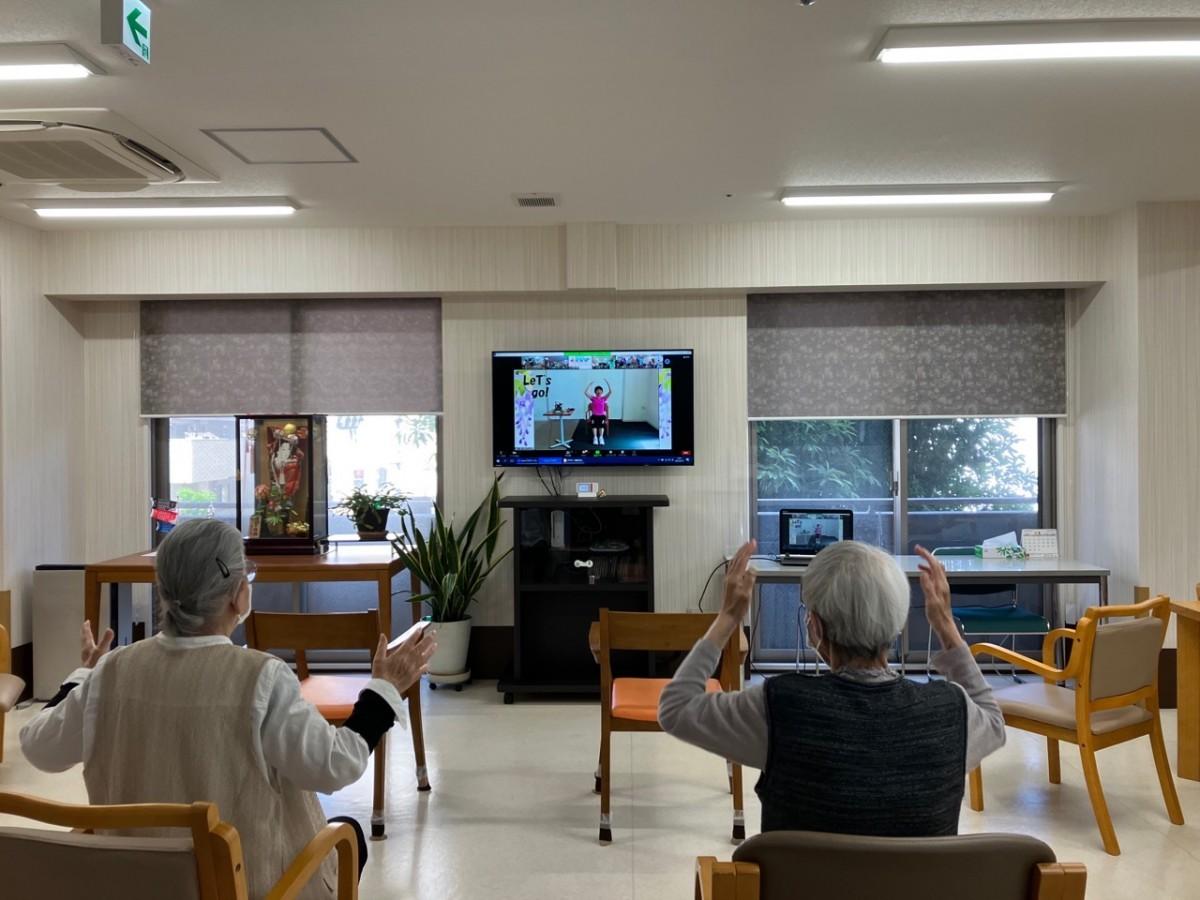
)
(571, 558)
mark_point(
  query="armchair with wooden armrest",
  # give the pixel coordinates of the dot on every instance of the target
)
(11, 687)
(771, 866)
(208, 865)
(1115, 670)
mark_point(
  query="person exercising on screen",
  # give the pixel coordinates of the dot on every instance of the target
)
(598, 409)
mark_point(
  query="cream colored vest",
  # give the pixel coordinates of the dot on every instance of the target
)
(173, 726)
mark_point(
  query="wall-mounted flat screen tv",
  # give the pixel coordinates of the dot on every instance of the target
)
(593, 408)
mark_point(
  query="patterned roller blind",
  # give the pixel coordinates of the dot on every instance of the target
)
(224, 357)
(907, 353)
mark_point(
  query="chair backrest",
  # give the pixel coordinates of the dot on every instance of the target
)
(1120, 658)
(953, 551)
(312, 631)
(660, 632)
(55, 865)
(979, 866)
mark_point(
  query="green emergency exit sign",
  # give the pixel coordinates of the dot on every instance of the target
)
(125, 25)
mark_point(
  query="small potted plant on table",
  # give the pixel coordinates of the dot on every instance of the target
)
(369, 510)
(452, 566)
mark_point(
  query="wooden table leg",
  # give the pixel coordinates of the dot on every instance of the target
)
(379, 796)
(385, 604)
(415, 585)
(1187, 665)
(91, 601)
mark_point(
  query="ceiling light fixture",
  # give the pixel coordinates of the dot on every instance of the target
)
(1062, 40)
(920, 195)
(44, 62)
(165, 209)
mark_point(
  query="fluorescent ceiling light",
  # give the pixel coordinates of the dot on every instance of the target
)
(43, 62)
(47, 72)
(920, 195)
(1061, 40)
(166, 209)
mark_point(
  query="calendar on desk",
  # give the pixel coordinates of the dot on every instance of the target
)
(1040, 543)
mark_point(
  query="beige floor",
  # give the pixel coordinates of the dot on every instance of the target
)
(512, 813)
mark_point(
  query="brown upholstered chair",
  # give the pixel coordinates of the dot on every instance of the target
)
(203, 863)
(631, 704)
(1115, 699)
(334, 694)
(784, 865)
(11, 687)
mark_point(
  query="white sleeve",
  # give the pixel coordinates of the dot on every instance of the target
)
(53, 739)
(297, 742)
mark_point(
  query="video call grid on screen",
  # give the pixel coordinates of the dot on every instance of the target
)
(591, 407)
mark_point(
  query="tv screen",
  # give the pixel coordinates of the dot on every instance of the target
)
(592, 408)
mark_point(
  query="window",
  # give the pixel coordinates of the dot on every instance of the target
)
(814, 463)
(958, 481)
(363, 452)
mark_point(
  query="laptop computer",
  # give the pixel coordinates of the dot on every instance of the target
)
(803, 533)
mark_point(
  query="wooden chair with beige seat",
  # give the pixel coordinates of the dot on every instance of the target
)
(205, 865)
(334, 694)
(782, 865)
(11, 687)
(631, 704)
(1115, 698)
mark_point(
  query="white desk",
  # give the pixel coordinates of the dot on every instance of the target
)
(971, 570)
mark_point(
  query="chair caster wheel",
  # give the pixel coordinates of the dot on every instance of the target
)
(739, 833)
(458, 689)
(606, 835)
(508, 699)
(432, 686)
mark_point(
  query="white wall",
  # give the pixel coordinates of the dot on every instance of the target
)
(709, 509)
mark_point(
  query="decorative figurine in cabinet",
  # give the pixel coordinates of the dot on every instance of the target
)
(283, 504)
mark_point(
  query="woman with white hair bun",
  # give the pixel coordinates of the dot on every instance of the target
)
(187, 716)
(861, 749)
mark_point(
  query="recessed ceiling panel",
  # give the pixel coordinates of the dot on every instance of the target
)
(281, 146)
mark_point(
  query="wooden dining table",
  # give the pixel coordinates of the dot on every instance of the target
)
(367, 561)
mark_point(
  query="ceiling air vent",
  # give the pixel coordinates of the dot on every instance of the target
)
(536, 201)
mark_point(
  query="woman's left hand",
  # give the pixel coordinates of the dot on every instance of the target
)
(90, 650)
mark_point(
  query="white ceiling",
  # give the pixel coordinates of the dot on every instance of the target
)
(632, 110)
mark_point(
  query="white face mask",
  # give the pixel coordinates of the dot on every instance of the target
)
(242, 617)
(815, 639)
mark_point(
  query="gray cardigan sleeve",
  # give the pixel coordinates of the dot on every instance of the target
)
(985, 721)
(732, 725)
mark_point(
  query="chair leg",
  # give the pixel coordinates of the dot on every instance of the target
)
(3, 716)
(1166, 782)
(378, 828)
(729, 774)
(739, 814)
(605, 785)
(418, 736)
(975, 783)
(1091, 775)
(596, 789)
(1053, 760)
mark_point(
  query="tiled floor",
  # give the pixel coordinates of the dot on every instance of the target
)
(512, 813)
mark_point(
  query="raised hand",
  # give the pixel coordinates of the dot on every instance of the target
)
(92, 650)
(936, 588)
(404, 665)
(739, 584)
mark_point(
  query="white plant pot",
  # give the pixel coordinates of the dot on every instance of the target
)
(453, 640)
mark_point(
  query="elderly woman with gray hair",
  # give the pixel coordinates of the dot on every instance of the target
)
(188, 716)
(860, 750)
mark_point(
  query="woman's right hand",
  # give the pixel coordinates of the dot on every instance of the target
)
(91, 650)
(936, 588)
(403, 666)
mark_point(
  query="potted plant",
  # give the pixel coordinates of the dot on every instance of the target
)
(452, 565)
(369, 510)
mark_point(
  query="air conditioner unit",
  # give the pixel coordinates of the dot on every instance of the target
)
(86, 149)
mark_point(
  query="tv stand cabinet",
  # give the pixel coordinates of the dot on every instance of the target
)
(571, 558)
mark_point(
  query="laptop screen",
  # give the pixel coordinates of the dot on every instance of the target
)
(805, 532)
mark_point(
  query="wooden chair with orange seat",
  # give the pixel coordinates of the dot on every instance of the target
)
(206, 865)
(334, 694)
(774, 865)
(631, 704)
(1115, 667)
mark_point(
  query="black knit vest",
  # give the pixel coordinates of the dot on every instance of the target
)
(844, 757)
